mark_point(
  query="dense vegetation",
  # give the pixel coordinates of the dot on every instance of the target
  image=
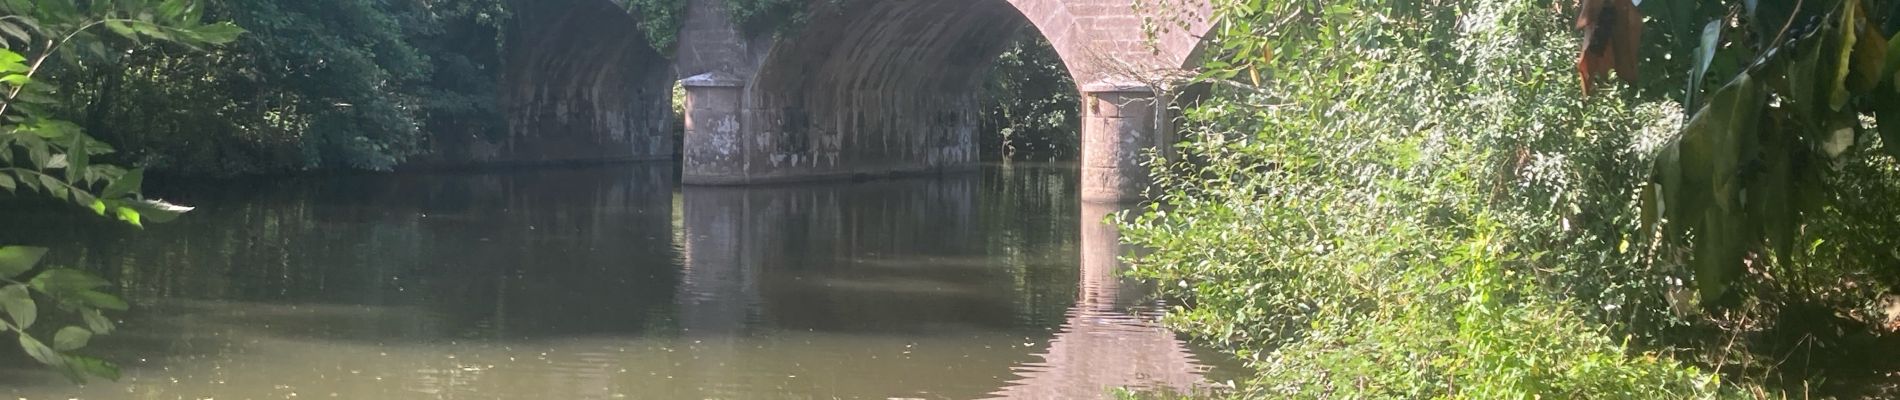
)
(1417, 200)
(350, 84)
(1030, 104)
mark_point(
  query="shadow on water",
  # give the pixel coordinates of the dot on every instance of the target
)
(614, 282)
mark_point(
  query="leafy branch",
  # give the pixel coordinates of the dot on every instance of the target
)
(42, 28)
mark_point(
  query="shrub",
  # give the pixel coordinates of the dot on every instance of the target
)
(1414, 201)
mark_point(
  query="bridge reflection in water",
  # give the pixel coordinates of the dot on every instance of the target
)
(605, 283)
(1110, 339)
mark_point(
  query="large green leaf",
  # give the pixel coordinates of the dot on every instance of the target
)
(126, 184)
(91, 366)
(71, 338)
(101, 300)
(218, 33)
(19, 305)
(1704, 55)
(39, 351)
(122, 29)
(65, 281)
(78, 161)
(96, 321)
(1840, 47)
(16, 260)
(1714, 145)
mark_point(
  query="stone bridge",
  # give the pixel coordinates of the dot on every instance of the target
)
(863, 88)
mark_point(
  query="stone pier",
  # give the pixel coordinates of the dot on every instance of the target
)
(714, 152)
(1120, 130)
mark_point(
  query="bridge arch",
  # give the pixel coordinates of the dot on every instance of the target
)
(875, 87)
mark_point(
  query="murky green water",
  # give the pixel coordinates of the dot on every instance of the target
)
(614, 282)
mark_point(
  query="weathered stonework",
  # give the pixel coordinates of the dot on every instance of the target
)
(582, 84)
(714, 151)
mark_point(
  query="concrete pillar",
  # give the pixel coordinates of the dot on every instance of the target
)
(1119, 125)
(714, 149)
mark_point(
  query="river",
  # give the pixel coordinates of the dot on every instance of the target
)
(616, 282)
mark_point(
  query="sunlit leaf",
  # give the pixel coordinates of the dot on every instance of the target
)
(11, 61)
(129, 215)
(16, 80)
(158, 210)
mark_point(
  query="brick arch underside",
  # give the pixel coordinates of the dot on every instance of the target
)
(878, 86)
(582, 84)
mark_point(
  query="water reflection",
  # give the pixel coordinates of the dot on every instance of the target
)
(613, 283)
(1109, 339)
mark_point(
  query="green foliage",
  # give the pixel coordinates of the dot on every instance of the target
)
(1030, 103)
(780, 17)
(38, 153)
(1755, 160)
(1411, 200)
(660, 19)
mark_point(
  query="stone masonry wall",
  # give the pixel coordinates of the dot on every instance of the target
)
(582, 84)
